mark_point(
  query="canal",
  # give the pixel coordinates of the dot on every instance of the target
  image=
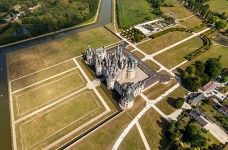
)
(105, 17)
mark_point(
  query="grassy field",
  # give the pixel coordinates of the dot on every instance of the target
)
(131, 12)
(153, 126)
(191, 22)
(166, 105)
(106, 136)
(221, 6)
(175, 55)
(163, 41)
(138, 54)
(214, 51)
(44, 93)
(111, 130)
(42, 75)
(177, 11)
(132, 141)
(42, 130)
(44, 55)
(152, 65)
(158, 89)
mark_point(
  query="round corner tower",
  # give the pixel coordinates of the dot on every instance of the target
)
(131, 68)
(127, 98)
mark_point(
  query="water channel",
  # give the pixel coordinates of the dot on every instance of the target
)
(105, 17)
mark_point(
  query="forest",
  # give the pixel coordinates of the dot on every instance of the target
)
(28, 18)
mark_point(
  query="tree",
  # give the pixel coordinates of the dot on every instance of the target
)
(193, 135)
(221, 24)
(172, 133)
(213, 19)
(179, 103)
(215, 147)
(213, 67)
(200, 67)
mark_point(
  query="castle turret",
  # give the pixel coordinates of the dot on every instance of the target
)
(127, 98)
(89, 55)
(131, 68)
(98, 65)
(110, 80)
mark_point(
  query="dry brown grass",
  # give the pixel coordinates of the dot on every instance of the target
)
(166, 105)
(132, 141)
(47, 128)
(158, 89)
(138, 54)
(154, 126)
(36, 77)
(40, 95)
(44, 55)
(163, 41)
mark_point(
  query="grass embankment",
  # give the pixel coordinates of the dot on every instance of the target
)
(48, 127)
(132, 141)
(166, 105)
(175, 55)
(131, 12)
(177, 11)
(158, 89)
(154, 126)
(163, 41)
(44, 55)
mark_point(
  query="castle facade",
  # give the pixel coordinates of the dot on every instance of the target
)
(121, 71)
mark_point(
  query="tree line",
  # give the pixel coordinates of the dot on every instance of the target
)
(203, 9)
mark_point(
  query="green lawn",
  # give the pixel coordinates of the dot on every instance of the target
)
(35, 97)
(131, 12)
(132, 141)
(158, 89)
(177, 11)
(221, 6)
(44, 55)
(175, 55)
(163, 41)
(154, 126)
(36, 77)
(44, 129)
(166, 105)
(214, 51)
(152, 65)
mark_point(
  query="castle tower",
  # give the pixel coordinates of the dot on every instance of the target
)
(89, 55)
(127, 98)
(110, 80)
(131, 68)
(98, 65)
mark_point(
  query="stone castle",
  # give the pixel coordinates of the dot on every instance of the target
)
(121, 72)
